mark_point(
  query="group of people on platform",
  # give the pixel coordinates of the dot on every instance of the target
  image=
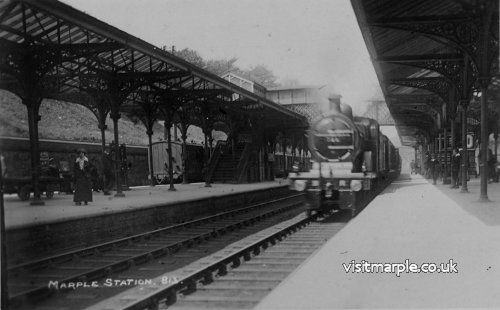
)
(85, 178)
(433, 168)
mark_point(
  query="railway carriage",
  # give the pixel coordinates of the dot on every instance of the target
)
(352, 162)
(16, 151)
(160, 162)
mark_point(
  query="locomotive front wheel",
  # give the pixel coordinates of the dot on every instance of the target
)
(24, 193)
(49, 194)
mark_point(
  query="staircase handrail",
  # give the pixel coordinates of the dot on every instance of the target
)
(243, 163)
(220, 146)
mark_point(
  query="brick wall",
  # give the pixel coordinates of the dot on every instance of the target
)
(44, 240)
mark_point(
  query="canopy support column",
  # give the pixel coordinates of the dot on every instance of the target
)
(207, 132)
(446, 179)
(465, 155)
(149, 132)
(452, 142)
(4, 301)
(149, 117)
(33, 106)
(168, 110)
(489, 10)
(169, 151)
(496, 150)
(440, 155)
(483, 165)
(102, 127)
(283, 148)
(184, 154)
(115, 116)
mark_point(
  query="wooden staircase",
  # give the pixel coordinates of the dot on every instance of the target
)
(228, 166)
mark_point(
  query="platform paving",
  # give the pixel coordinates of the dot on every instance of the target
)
(415, 220)
(62, 208)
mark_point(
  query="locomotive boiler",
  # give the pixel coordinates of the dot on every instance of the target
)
(352, 162)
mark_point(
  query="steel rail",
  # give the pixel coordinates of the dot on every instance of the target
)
(71, 254)
(220, 267)
(148, 255)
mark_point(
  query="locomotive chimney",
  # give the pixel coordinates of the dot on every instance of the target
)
(334, 101)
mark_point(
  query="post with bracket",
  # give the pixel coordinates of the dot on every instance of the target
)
(453, 145)
(465, 158)
(483, 164)
(446, 179)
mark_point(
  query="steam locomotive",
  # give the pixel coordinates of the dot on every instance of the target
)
(352, 162)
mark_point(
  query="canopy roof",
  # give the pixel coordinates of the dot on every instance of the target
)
(81, 59)
(428, 56)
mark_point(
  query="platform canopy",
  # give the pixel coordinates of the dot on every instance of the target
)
(430, 57)
(50, 50)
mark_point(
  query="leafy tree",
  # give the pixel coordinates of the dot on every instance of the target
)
(262, 75)
(220, 66)
(191, 56)
(259, 73)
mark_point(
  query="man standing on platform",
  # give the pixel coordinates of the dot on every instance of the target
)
(427, 167)
(434, 163)
(455, 167)
(107, 170)
(491, 161)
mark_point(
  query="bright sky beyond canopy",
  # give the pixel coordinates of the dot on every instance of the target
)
(317, 42)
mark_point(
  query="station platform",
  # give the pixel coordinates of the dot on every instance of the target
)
(58, 226)
(410, 220)
(62, 208)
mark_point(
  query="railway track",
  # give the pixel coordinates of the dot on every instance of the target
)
(239, 277)
(30, 281)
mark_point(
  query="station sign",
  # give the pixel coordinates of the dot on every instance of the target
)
(470, 141)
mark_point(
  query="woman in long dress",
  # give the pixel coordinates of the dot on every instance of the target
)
(83, 184)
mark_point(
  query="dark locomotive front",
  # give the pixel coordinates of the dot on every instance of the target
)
(351, 160)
